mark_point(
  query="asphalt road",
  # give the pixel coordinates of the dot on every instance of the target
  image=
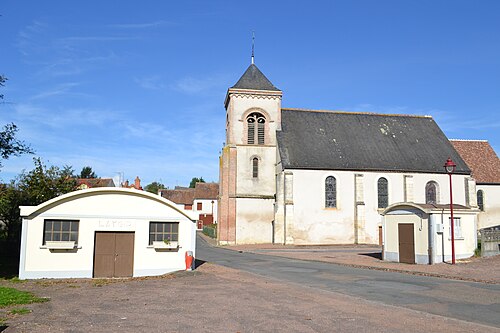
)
(469, 301)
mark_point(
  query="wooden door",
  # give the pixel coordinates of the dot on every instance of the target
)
(406, 243)
(114, 254)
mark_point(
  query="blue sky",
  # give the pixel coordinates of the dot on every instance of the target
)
(138, 87)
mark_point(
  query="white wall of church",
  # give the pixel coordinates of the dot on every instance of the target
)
(491, 200)
(312, 223)
(254, 221)
(264, 183)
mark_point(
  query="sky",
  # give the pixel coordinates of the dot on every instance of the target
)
(137, 88)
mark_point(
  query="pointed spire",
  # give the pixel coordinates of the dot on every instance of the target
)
(253, 78)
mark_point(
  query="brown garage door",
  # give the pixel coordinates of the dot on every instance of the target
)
(114, 254)
(406, 243)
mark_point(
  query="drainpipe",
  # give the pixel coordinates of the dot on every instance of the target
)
(284, 208)
(432, 228)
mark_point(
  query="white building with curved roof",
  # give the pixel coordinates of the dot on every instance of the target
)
(105, 232)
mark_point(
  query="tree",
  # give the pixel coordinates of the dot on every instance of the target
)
(10, 145)
(196, 180)
(87, 173)
(154, 187)
(30, 189)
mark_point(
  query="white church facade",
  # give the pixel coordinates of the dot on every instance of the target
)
(293, 176)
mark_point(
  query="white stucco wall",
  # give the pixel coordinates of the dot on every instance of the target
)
(491, 214)
(254, 221)
(464, 246)
(118, 210)
(312, 223)
(206, 207)
(264, 184)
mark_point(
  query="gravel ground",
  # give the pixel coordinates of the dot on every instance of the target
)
(211, 299)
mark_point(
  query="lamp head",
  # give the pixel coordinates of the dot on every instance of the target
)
(450, 166)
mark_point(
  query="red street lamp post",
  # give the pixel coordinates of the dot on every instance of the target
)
(450, 166)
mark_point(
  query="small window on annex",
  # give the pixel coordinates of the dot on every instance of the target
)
(431, 193)
(199, 205)
(480, 200)
(161, 231)
(256, 125)
(60, 231)
(383, 193)
(330, 192)
(255, 167)
(457, 228)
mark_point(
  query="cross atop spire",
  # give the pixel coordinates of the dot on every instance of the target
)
(253, 45)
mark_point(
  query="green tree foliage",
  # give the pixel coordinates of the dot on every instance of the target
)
(30, 189)
(154, 187)
(196, 180)
(10, 145)
(87, 173)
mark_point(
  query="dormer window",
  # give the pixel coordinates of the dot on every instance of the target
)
(256, 124)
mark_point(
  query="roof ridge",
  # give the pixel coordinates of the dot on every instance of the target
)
(469, 140)
(358, 112)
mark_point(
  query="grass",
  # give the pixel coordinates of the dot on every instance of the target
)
(12, 296)
(19, 311)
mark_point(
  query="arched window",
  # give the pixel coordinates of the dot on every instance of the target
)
(330, 192)
(431, 193)
(383, 193)
(255, 167)
(480, 200)
(256, 125)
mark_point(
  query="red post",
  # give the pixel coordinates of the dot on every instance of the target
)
(452, 225)
(450, 166)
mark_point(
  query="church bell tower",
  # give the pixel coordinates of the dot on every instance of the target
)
(247, 183)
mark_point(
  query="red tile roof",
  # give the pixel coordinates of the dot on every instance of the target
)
(481, 159)
(183, 195)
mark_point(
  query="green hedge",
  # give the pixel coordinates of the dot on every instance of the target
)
(210, 230)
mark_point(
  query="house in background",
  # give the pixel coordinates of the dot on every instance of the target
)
(85, 183)
(202, 200)
(298, 176)
(485, 166)
(105, 232)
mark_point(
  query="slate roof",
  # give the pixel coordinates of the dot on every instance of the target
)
(328, 140)
(481, 159)
(254, 79)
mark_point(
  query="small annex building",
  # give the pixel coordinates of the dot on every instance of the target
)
(421, 233)
(105, 232)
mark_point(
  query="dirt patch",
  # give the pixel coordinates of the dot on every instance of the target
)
(212, 299)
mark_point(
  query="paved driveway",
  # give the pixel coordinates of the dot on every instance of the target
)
(474, 302)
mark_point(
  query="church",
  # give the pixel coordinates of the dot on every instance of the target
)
(303, 177)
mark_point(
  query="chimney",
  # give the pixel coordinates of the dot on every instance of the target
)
(137, 183)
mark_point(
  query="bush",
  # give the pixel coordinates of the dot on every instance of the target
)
(210, 230)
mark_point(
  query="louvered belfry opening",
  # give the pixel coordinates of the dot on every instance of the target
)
(259, 135)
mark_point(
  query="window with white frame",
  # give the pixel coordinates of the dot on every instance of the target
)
(161, 231)
(60, 231)
(457, 228)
